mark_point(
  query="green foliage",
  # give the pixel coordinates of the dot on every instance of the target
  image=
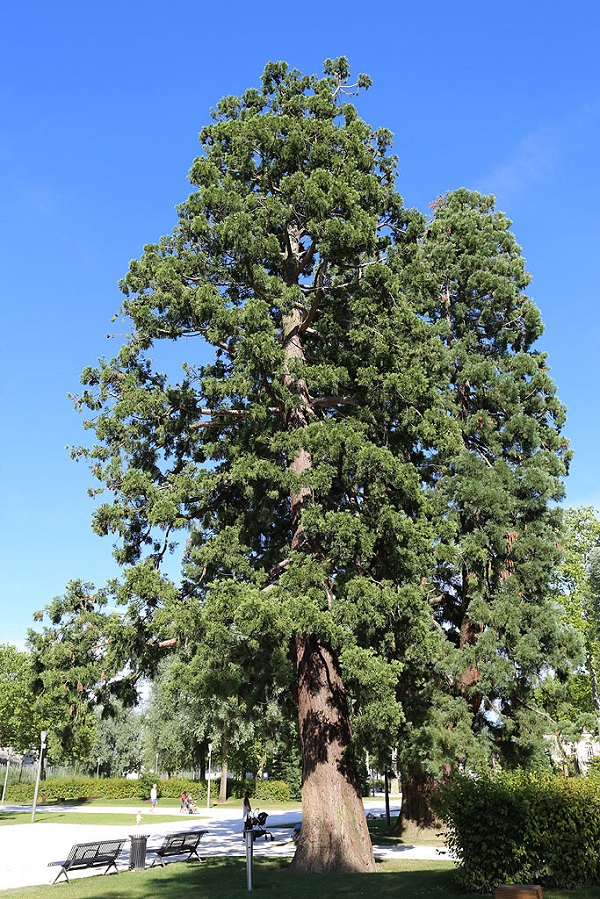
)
(20, 720)
(275, 790)
(524, 828)
(175, 719)
(118, 743)
(491, 582)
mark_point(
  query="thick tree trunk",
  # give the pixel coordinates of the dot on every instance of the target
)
(334, 835)
(418, 793)
(418, 790)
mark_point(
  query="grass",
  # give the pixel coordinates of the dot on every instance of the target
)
(218, 877)
(273, 806)
(411, 835)
(84, 818)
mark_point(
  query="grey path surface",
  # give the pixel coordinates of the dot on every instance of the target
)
(26, 849)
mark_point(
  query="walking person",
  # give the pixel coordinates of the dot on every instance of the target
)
(246, 808)
(153, 797)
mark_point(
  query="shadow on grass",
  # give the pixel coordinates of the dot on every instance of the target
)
(382, 835)
(218, 877)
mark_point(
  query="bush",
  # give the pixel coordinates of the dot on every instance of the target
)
(263, 790)
(524, 828)
(274, 790)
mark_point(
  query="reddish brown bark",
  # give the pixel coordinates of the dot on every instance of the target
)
(334, 835)
(418, 791)
(469, 632)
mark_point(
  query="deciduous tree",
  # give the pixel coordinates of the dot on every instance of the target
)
(20, 723)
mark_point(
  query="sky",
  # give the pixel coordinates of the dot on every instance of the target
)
(101, 108)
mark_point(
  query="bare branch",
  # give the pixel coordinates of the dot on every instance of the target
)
(331, 401)
(277, 569)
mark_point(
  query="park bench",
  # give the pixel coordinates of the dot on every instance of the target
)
(178, 844)
(90, 855)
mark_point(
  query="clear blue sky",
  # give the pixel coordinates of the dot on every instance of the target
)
(101, 107)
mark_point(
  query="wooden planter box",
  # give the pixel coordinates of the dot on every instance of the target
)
(519, 891)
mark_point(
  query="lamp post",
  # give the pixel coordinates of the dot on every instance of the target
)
(43, 736)
(156, 765)
(210, 746)
(5, 778)
(98, 767)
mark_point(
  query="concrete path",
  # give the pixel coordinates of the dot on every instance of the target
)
(26, 849)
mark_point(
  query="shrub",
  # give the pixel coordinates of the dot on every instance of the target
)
(263, 790)
(524, 828)
(275, 790)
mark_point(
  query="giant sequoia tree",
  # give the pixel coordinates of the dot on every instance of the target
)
(491, 585)
(291, 456)
(358, 453)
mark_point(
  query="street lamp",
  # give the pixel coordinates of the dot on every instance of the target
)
(5, 777)
(43, 736)
(156, 765)
(98, 767)
(210, 746)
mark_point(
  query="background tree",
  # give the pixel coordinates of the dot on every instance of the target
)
(579, 590)
(119, 742)
(175, 722)
(20, 722)
(491, 585)
(79, 659)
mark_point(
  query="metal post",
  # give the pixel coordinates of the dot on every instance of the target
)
(98, 768)
(5, 778)
(387, 797)
(249, 849)
(210, 746)
(43, 736)
(156, 765)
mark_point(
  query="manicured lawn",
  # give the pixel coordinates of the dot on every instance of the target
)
(411, 835)
(217, 877)
(84, 818)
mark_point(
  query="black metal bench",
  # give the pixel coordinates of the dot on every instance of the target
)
(178, 844)
(90, 855)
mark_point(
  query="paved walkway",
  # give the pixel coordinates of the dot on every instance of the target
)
(28, 848)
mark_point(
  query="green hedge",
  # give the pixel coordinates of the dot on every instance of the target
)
(524, 828)
(119, 788)
(274, 790)
(103, 788)
(264, 790)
